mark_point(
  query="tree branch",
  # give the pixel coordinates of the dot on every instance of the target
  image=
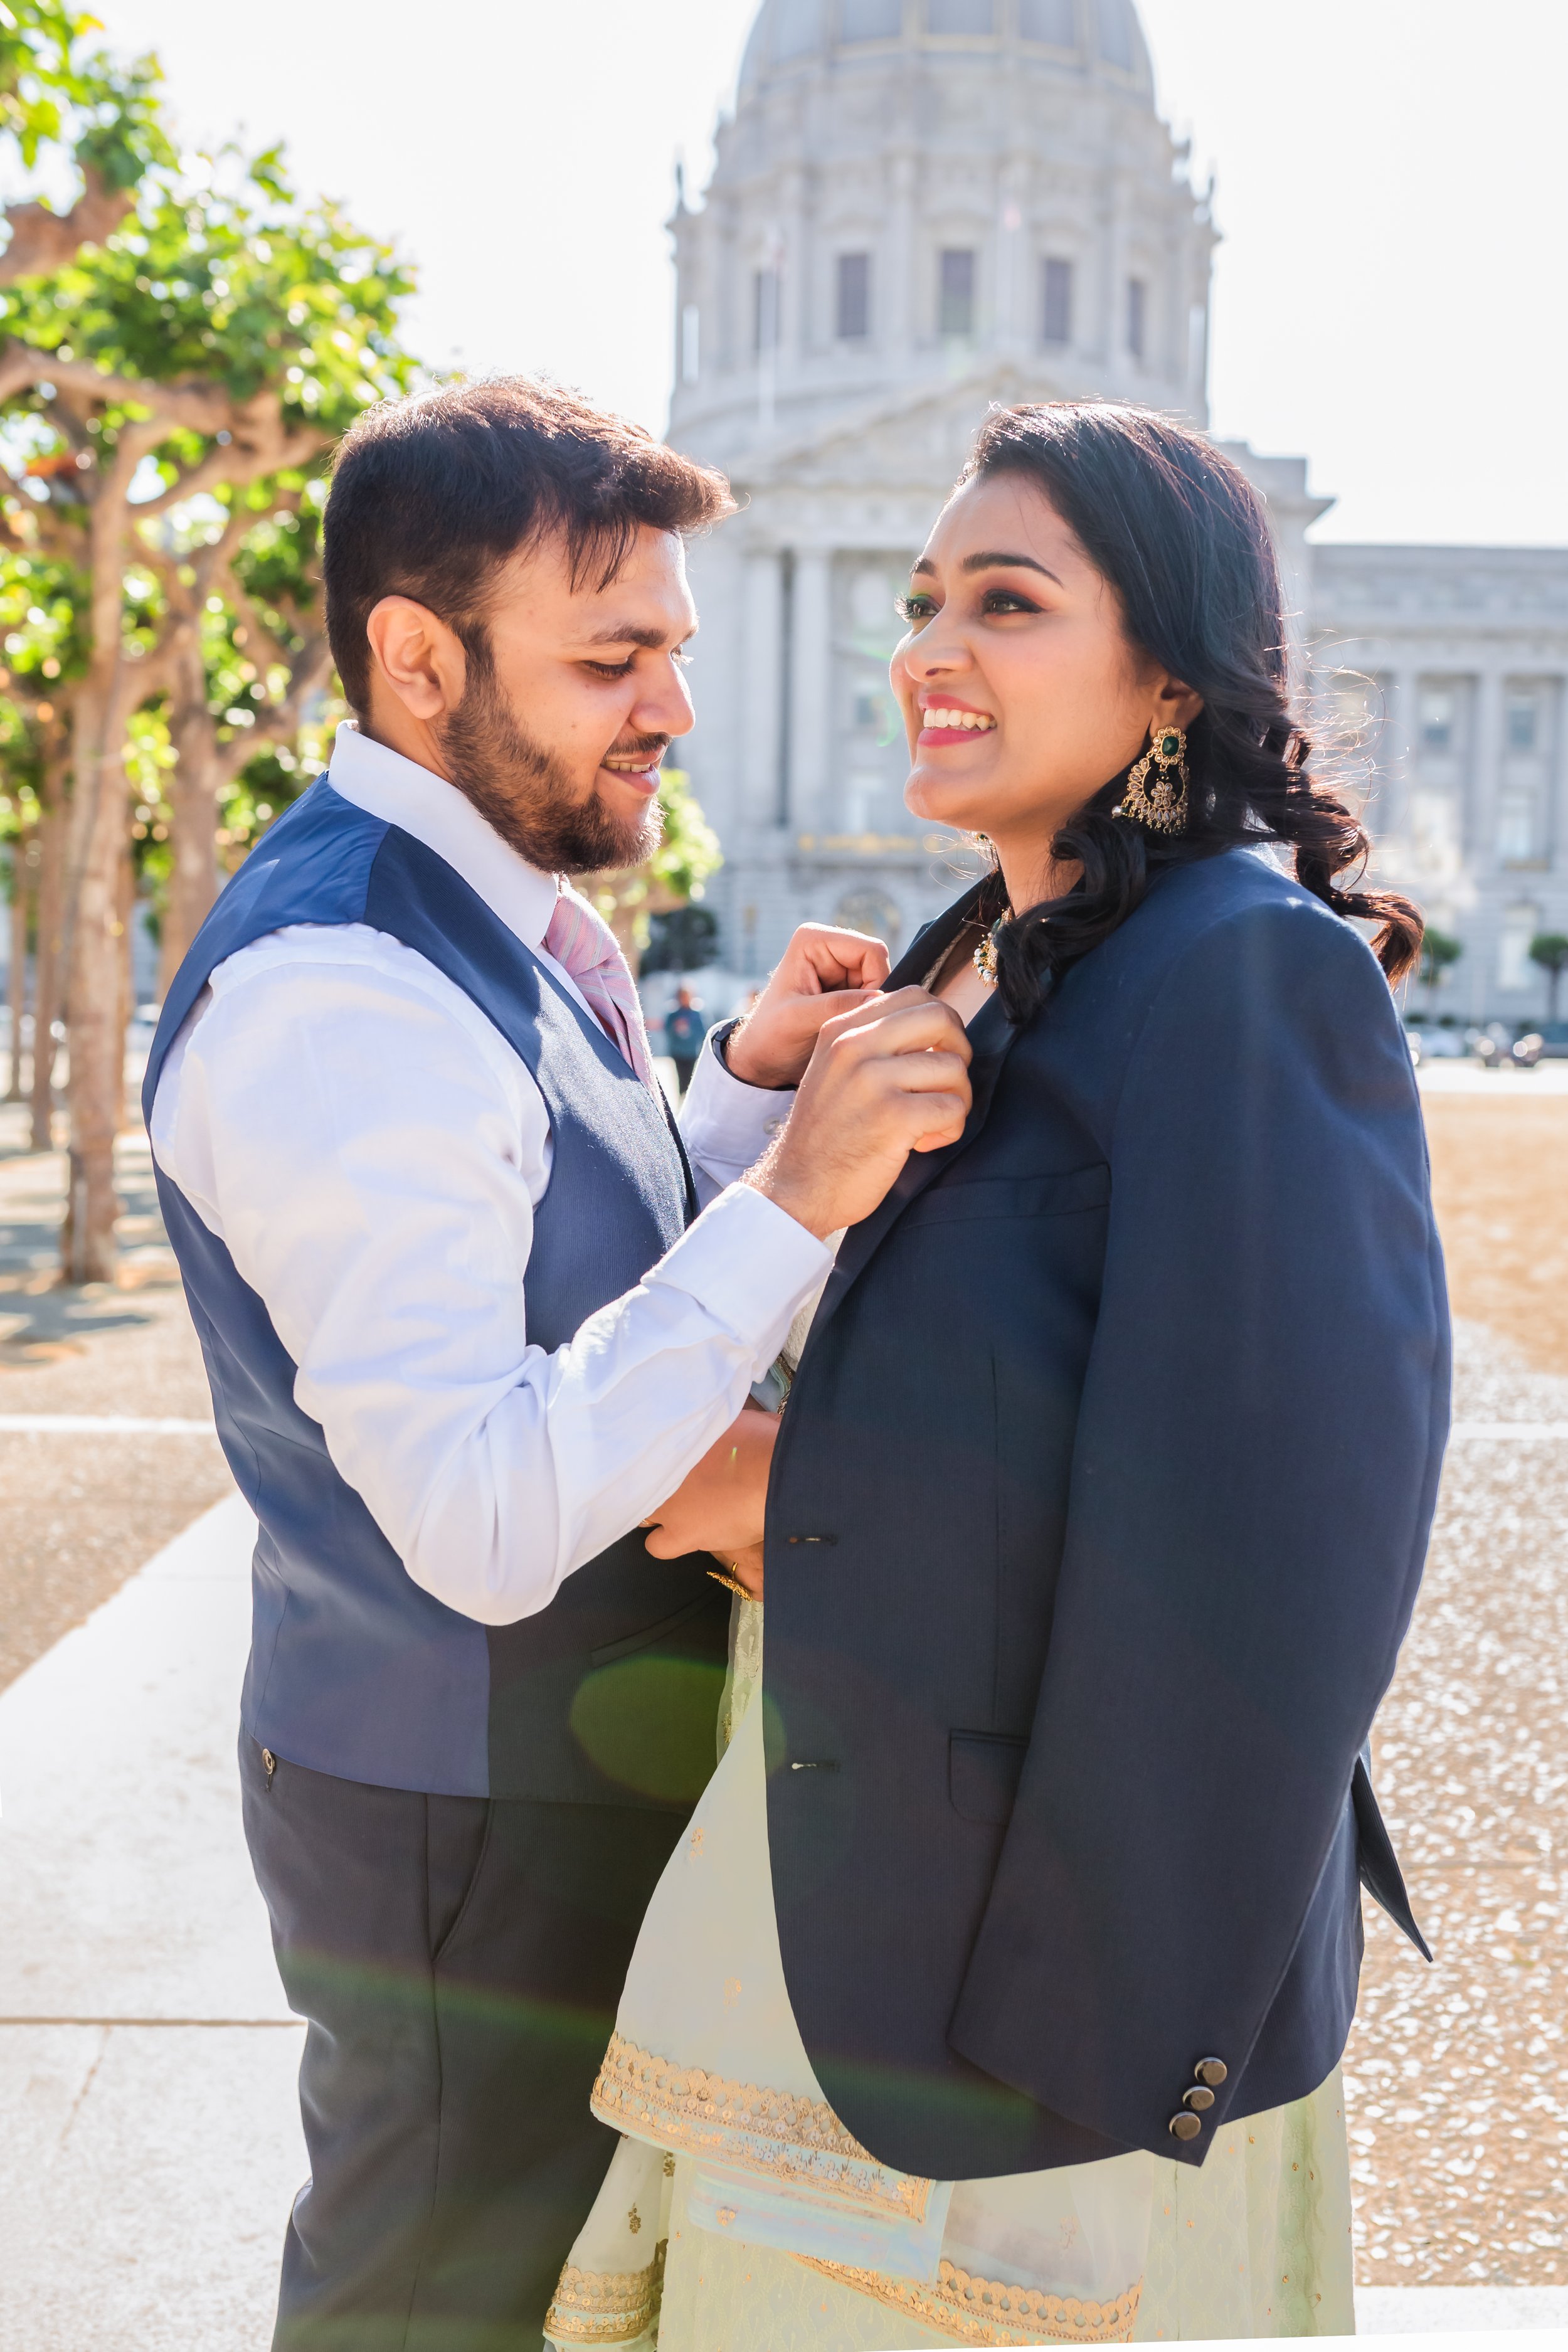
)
(309, 670)
(200, 407)
(265, 454)
(42, 241)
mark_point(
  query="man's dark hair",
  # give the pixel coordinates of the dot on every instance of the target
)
(431, 496)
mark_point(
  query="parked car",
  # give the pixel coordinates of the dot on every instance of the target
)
(1495, 1050)
(1434, 1045)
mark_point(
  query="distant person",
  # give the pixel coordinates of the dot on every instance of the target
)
(998, 1993)
(465, 1328)
(685, 1029)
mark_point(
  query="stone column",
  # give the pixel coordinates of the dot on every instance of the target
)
(897, 317)
(1016, 325)
(1484, 778)
(1396, 776)
(759, 699)
(794, 273)
(811, 690)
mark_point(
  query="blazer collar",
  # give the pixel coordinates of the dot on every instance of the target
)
(992, 1036)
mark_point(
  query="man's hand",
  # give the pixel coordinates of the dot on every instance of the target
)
(719, 1505)
(885, 1079)
(823, 973)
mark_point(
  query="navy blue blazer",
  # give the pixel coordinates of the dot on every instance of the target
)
(1095, 1522)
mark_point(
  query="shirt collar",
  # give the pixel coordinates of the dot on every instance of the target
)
(384, 785)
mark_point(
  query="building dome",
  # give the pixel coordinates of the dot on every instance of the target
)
(1087, 37)
(918, 208)
(909, 189)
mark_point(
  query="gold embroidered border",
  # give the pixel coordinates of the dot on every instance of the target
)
(604, 2307)
(983, 2311)
(775, 2133)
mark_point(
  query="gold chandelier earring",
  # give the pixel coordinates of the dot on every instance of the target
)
(1162, 806)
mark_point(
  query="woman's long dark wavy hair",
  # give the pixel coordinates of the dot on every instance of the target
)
(1183, 539)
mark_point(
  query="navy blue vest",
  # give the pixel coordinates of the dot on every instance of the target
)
(609, 1696)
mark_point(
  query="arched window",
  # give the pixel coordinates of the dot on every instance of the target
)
(872, 20)
(1056, 301)
(1137, 318)
(961, 16)
(955, 291)
(853, 292)
(797, 27)
(1055, 22)
(1115, 33)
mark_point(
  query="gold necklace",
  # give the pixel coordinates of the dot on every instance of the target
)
(984, 956)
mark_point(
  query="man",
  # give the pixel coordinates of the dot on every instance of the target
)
(684, 1033)
(431, 1216)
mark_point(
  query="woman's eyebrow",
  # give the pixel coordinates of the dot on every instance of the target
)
(991, 561)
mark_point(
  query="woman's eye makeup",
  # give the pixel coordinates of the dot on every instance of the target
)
(914, 607)
(1008, 600)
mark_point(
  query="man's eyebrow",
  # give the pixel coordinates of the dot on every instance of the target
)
(629, 634)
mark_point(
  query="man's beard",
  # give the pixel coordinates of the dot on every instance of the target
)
(525, 791)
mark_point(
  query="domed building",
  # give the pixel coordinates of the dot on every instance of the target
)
(919, 207)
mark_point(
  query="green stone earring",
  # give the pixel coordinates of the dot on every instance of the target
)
(1164, 806)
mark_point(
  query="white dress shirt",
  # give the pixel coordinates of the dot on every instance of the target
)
(371, 1151)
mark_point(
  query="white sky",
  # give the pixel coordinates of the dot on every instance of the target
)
(1390, 298)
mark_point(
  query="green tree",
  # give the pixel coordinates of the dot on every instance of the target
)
(1549, 950)
(1438, 950)
(70, 117)
(62, 104)
(676, 874)
(247, 656)
(169, 399)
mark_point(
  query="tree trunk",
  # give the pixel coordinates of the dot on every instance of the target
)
(47, 957)
(94, 993)
(22, 891)
(192, 790)
(125, 916)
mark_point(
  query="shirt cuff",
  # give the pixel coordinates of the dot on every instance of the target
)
(727, 1125)
(750, 1267)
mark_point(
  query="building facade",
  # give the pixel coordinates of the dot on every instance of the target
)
(919, 207)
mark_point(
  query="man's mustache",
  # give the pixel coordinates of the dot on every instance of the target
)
(653, 745)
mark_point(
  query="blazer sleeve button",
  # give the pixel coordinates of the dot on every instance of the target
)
(1212, 2071)
(1200, 2098)
(1186, 2126)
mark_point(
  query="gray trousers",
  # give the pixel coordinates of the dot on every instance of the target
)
(459, 1961)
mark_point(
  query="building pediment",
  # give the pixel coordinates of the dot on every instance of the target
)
(922, 437)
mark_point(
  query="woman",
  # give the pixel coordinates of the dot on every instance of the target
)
(1095, 1519)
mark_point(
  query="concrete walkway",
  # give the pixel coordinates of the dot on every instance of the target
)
(148, 2138)
(151, 2142)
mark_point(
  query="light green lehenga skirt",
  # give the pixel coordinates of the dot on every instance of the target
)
(739, 2215)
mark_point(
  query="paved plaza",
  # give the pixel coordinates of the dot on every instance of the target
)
(146, 2060)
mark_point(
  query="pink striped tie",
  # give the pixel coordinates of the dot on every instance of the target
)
(583, 943)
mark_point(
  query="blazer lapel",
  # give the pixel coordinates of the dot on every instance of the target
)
(992, 1036)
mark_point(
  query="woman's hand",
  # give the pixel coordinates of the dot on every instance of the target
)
(719, 1505)
(823, 971)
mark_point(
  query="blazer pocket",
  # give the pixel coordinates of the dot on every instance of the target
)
(1010, 1196)
(648, 1635)
(984, 1769)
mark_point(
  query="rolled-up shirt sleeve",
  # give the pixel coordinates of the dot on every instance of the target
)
(727, 1125)
(372, 1153)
